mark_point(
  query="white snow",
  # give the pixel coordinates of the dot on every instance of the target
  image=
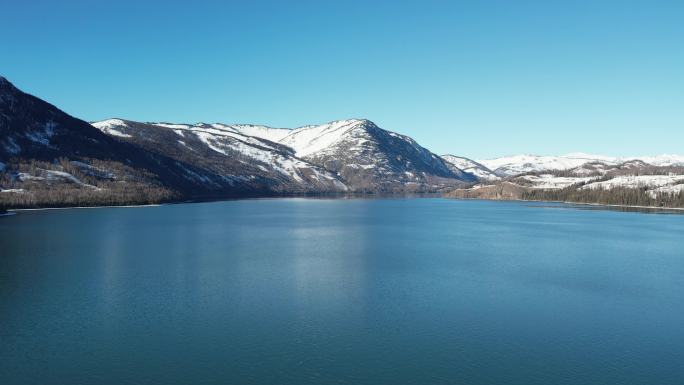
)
(109, 127)
(663, 160)
(42, 136)
(303, 140)
(590, 168)
(108, 123)
(22, 176)
(636, 181)
(169, 125)
(223, 141)
(256, 141)
(13, 190)
(310, 139)
(470, 166)
(55, 175)
(548, 181)
(114, 132)
(520, 164)
(51, 175)
(268, 133)
(672, 189)
(479, 186)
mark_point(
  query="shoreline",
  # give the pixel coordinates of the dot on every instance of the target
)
(605, 205)
(577, 204)
(247, 197)
(10, 212)
(622, 206)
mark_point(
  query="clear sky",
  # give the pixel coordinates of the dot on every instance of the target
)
(474, 78)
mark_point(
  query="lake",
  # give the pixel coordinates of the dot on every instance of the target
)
(342, 291)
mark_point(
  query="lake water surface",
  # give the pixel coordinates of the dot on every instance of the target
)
(351, 291)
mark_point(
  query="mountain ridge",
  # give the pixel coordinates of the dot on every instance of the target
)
(519, 164)
(361, 154)
(50, 158)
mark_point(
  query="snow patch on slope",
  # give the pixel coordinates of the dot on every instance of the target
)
(263, 132)
(663, 160)
(109, 127)
(310, 139)
(521, 164)
(636, 181)
(470, 166)
(54, 176)
(548, 181)
(42, 136)
(670, 190)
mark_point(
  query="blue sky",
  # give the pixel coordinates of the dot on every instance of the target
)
(475, 78)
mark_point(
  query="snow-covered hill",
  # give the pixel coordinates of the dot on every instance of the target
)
(225, 156)
(345, 155)
(480, 171)
(653, 183)
(521, 164)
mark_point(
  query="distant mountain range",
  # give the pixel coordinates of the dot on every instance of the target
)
(48, 158)
(646, 181)
(521, 164)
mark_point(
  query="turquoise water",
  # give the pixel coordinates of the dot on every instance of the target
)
(311, 291)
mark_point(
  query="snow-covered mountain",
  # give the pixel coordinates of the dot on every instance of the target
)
(118, 161)
(661, 160)
(370, 158)
(480, 171)
(224, 157)
(632, 182)
(345, 155)
(521, 164)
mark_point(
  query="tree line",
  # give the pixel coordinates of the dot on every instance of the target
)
(614, 196)
(103, 184)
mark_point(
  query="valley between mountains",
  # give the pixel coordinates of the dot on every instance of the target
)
(51, 159)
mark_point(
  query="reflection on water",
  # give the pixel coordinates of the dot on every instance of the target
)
(363, 291)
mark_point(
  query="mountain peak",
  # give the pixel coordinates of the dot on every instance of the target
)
(351, 121)
(4, 83)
